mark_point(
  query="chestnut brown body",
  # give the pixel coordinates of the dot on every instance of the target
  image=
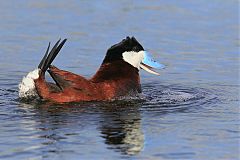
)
(111, 81)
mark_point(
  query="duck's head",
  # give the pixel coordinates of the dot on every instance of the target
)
(131, 51)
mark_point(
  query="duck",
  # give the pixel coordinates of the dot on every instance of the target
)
(117, 76)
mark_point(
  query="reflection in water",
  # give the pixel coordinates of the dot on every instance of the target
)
(94, 128)
(119, 123)
(122, 129)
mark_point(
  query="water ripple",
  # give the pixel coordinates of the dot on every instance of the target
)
(174, 97)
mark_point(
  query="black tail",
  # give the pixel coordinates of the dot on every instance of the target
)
(48, 58)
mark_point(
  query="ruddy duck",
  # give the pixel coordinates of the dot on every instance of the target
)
(117, 76)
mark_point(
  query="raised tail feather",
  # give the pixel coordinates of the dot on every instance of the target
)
(49, 57)
(27, 85)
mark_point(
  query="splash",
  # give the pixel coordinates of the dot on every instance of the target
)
(27, 87)
(176, 96)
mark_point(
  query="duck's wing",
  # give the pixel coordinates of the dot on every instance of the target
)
(65, 79)
(68, 87)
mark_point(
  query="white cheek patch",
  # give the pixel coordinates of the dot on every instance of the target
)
(133, 58)
(27, 87)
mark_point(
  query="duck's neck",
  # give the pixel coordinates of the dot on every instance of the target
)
(115, 71)
(122, 77)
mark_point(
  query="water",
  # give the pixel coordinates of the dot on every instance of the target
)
(191, 111)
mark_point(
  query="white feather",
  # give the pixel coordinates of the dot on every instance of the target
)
(27, 87)
(133, 58)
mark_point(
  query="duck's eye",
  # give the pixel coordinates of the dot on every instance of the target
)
(135, 49)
